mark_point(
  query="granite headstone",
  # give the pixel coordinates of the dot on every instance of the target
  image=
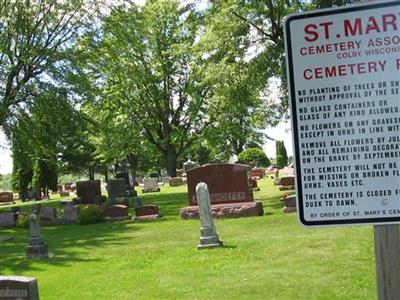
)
(6, 197)
(150, 185)
(208, 234)
(7, 219)
(88, 192)
(227, 183)
(18, 288)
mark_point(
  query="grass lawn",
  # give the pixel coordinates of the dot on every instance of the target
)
(268, 257)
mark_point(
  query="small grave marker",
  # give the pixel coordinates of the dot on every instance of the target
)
(18, 288)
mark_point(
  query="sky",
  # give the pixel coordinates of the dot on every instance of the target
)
(5, 155)
(280, 132)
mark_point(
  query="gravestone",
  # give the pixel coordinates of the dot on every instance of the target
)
(286, 183)
(175, 181)
(165, 179)
(121, 193)
(147, 212)
(188, 165)
(116, 187)
(71, 213)
(36, 248)
(150, 185)
(231, 192)
(88, 192)
(6, 197)
(227, 183)
(18, 288)
(290, 203)
(276, 178)
(254, 184)
(7, 219)
(47, 214)
(123, 175)
(257, 172)
(208, 234)
(116, 212)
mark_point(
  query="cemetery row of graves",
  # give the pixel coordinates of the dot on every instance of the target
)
(266, 254)
(231, 185)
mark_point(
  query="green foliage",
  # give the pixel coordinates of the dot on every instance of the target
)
(22, 160)
(90, 214)
(45, 174)
(240, 107)
(151, 76)
(254, 156)
(280, 161)
(23, 220)
(35, 39)
(5, 182)
(281, 154)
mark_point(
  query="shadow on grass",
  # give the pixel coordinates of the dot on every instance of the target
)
(67, 244)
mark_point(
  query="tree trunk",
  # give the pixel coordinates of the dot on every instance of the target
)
(133, 164)
(91, 173)
(105, 174)
(171, 161)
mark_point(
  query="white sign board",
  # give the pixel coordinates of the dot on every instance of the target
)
(344, 81)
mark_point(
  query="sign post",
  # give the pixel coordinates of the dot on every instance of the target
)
(387, 260)
(344, 84)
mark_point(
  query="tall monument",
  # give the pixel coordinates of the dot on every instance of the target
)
(209, 237)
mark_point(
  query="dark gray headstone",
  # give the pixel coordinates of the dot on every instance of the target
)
(71, 213)
(47, 213)
(18, 288)
(7, 219)
(124, 175)
(116, 187)
(88, 191)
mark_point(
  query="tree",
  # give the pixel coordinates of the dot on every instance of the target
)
(241, 106)
(116, 137)
(281, 154)
(22, 161)
(46, 133)
(254, 29)
(35, 42)
(254, 156)
(145, 57)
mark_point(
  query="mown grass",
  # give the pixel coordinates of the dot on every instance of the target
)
(268, 257)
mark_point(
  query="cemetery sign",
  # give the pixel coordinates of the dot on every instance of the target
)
(344, 82)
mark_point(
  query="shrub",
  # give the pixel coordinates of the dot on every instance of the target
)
(255, 156)
(90, 214)
(281, 154)
(280, 161)
(23, 221)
